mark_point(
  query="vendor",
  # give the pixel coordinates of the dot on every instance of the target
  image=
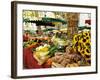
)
(26, 36)
(39, 32)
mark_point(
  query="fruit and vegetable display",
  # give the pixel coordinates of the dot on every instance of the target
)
(57, 51)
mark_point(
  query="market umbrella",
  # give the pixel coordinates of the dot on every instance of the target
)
(39, 22)
(47, 19)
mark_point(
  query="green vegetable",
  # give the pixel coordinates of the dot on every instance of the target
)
(52, 50)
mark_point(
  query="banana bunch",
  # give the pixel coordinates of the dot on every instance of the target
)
(82, 44)
(41, 53)
(42, 50)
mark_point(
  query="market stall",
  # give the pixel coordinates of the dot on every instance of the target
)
(56, 45)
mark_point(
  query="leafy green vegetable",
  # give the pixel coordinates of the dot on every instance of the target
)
(52, 50)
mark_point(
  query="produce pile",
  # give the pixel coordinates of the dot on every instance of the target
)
(58, 51)
(79, 54)
(67, 59)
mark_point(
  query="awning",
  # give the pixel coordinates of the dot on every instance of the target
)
(46, 21)
(54, 20)
(40, 22)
